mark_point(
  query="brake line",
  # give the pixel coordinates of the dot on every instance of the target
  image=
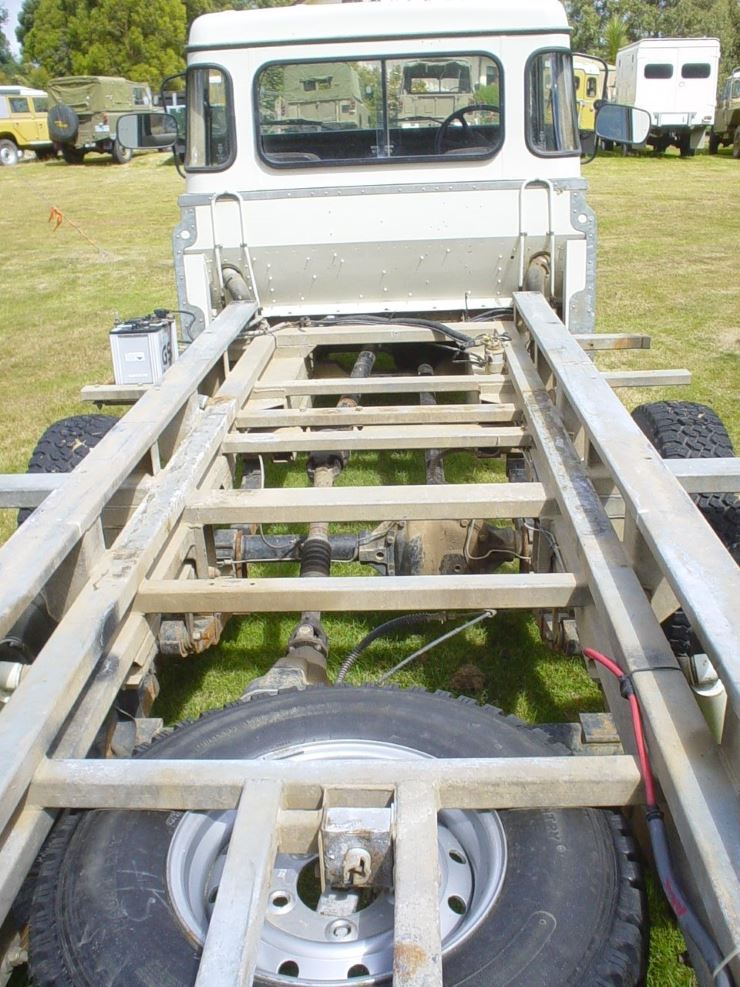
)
(686, 917)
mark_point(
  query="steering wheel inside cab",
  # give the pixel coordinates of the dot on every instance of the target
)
(456, 135)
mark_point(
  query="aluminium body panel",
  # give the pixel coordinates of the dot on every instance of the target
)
(674, 79)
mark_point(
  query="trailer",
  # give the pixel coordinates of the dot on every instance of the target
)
(675, 79)
(373, 289)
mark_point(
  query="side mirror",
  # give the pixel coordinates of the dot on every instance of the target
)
(622, 124)
(146, 130)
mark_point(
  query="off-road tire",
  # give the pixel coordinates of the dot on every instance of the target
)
(120, 154)
(73, 155)
(685, 430)
(714, 143)
(570, 910)
(63, 123)
(736, 144)
(9, 153)
(65, 444)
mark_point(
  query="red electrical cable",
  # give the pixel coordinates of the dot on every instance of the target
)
(637, 728)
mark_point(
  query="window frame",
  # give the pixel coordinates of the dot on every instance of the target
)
(375, 162)
(531, 147)
(231, 118)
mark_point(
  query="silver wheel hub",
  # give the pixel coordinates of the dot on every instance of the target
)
(340, 937)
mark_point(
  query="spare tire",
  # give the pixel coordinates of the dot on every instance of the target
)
(63, 123)
(541, 897)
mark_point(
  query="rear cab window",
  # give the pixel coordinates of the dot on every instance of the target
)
(370, 111)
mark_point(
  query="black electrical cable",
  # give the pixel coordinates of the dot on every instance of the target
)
(462, 339)
(405, 620)
(493, 313)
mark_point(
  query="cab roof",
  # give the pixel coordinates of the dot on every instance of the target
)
(382, 20)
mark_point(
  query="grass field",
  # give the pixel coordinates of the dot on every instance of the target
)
(668, 235)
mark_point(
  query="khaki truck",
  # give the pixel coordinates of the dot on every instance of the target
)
(324, 97)
(84, 111)
(726, 129)
(23, 124)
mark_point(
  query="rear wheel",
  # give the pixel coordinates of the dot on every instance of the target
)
(714, 143)
(527, 897)
(9, 153)
(684, 146)
(685, 430)
(121, 154)
(73, 155)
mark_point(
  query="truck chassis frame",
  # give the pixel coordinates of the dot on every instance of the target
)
(163, 478)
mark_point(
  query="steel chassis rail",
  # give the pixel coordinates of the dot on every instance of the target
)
(108, 544)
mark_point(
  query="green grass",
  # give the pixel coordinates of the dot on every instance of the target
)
(668, 234)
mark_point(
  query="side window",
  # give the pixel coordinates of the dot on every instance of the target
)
(371, 111)
(696, 70)
(552, 126)
(591, 87)
(40, 104)
(658, 70)
(736, 89)
(18, 104)
(210, 128)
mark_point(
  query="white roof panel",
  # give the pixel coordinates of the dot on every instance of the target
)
(384, 19)
(665, 43)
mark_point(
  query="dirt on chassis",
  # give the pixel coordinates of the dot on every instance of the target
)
(374, 288)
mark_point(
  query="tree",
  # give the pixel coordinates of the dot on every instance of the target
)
(51, 38)
(615, 37)
(139, 39)
(7, 62)
(595, 22)
(26, 18)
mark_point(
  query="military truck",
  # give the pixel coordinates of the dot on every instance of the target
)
(726, 129)
(23, 124)
(84, 111)
(423, 299)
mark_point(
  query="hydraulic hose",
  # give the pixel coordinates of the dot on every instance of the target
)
(405, 620)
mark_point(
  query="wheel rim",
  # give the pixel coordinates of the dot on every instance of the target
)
(299, 944)
(8, 155)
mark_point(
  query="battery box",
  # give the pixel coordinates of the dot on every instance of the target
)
(143, 348)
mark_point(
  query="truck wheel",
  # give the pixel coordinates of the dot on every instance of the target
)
(65, 444)
(527, 897)
(736, 144)
(9, 153)
(121, 154)
(713, 143)
(73, 155)
(684, 146)
(685, 430)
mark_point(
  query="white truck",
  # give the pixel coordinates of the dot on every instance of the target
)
(675, 80)
(393, 291)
